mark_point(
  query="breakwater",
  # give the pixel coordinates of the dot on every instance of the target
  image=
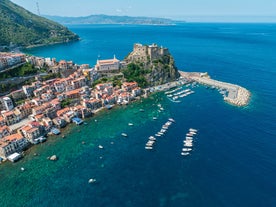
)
(236, 94)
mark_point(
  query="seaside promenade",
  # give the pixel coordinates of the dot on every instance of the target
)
(236, 94)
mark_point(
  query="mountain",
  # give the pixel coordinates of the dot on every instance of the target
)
(23, 28)
(106, 19)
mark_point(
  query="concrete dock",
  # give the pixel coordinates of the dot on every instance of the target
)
(236, 94)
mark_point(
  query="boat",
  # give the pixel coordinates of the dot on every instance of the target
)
(158, 135)
(171, 119)
(130, 124)
(152, 138)
(154, 118)
(148, 148)
(188, 145)
(163, 130)
(185, 153)
(22, 169)
(141, 110)
(100, 147)
(162, 109)
(186, 149)
(189, 138)
(92, 180)
(192, 130)
(124, 134)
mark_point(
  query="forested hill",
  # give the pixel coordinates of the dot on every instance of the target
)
(23, 28)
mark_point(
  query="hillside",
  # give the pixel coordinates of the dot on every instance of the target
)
(106, 19)
(150, 65)
(23, 28)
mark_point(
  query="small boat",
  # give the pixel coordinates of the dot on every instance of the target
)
(189, 138)
(171, 119)
(186, 149)
(148, 147)
(141, 110)
(91, 180)
(185, 153)
(124, 134)
(100, 147)
(158, 135)
(154, 118)
(22, 169)
(192, 130)
(152, 138)
(189, 134)
(188, 145)
(130, 124)
(162, 109)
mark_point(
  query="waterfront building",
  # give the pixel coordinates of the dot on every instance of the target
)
(11, 144)
(108, 66)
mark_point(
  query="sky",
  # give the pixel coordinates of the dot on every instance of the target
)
(174, 9)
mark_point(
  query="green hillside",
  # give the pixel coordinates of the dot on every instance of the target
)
(23, 28)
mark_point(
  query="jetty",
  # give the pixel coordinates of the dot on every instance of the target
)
(235, 95)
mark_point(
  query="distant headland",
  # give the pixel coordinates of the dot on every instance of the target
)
(107, 19)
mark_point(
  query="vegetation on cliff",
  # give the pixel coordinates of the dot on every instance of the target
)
(23, 28)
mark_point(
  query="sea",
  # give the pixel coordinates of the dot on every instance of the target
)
(233, 161)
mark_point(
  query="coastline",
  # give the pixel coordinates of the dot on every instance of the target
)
(236, 95)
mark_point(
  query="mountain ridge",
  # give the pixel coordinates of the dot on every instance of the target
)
(110, 19)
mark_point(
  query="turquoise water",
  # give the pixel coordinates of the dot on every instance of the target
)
(233, 160)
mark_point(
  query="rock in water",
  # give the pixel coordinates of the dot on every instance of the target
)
(53, 158)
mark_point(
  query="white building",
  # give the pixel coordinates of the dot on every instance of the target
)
(7, 103)
(107, 66)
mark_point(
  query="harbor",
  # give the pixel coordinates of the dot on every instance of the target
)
(235, 95)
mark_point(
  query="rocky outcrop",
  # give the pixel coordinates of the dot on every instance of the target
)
(156, 61)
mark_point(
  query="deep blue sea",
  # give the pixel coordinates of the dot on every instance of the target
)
(233, 162)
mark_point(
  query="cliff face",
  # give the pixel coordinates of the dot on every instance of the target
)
(156, 61)
(23, 28)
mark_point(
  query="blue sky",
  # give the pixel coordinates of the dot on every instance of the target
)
(176, 9)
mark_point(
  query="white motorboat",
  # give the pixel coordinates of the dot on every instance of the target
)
(171, 119)
(92, 180)
(124, 134)
(152, 138)
(100, 147)
(154, 118)
(192, 130)
(188, 145)
(186, 149)
(185, 153)
(148, 147)
(130, 124)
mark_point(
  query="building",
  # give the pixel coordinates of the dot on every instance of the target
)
(108, 66)
(7, 103)
(147, 52)
(4, 131)
(11, 144)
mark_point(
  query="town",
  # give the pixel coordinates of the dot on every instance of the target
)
(46, 106)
